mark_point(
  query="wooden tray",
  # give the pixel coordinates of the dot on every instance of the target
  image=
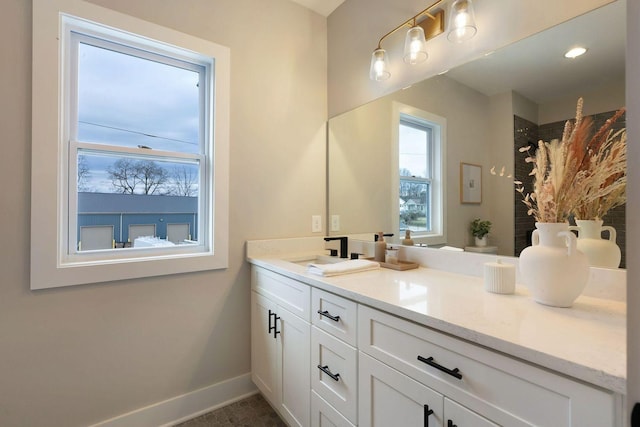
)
(402, 265)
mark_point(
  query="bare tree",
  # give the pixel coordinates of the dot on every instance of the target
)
(184, 181)
(137, 176)
(152, 176)
(83, 173)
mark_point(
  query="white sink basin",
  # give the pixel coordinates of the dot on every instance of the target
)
(319, 259)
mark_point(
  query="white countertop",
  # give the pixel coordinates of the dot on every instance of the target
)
(587, 341)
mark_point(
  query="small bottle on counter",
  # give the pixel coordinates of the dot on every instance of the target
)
(407, 241)
(380, 248)
(391, 255)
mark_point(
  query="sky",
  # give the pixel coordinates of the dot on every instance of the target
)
(129, 101)
(413, 150)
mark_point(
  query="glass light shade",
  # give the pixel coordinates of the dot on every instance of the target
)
(415, 50)
(462, 21)
(379, 65)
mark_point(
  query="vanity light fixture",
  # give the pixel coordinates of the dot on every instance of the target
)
(379, 65)
(462, 22)
(575, 52)
(419, 32)
(415, 46)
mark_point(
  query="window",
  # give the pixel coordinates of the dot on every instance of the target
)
(419, 139)
(139, 141)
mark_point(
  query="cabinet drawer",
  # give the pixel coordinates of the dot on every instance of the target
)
(288, 293)
(325, 415)
(339, 316)
(503, 389)
(334, 377)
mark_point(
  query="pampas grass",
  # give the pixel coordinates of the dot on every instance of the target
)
(580, 174)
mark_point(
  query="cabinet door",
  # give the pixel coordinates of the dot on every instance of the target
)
(459, 416)
(390, 398)
(325, 415)
(294, 357)
(264, 357)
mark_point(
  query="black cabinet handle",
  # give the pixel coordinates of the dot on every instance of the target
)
(453, 372)
(427, 412)
(275, 325)
(271, 328)
(326, 314)
(635, 415)
(451, 424)
(326, 370)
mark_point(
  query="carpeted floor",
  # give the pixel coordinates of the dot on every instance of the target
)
(253, 411)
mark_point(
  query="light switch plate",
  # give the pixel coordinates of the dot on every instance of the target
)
(335, 222)
(316, 223)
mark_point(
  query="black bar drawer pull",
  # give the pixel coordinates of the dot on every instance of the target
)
(275, 325)
(326, 370)
(271, 328)
(427, 412)
(453, 372)
(326, 314)
(451, 424)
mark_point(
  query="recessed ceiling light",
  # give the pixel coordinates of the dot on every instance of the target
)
(575, 52)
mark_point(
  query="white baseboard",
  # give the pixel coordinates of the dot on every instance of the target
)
(186, 406)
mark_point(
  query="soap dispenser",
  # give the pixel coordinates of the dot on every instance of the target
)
(407, 241)
(380, 248)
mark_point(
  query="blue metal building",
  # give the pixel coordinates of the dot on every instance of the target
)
(124, 210)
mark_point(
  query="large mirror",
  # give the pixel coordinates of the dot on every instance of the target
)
(491, 107)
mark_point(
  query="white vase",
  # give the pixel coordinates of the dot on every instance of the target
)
(600, 252)
(481, 241)
(553, 269)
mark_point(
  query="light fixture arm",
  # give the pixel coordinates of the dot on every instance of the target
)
(411, 21)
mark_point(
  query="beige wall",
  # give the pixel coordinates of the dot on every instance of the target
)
(605, 98)
(75, 356)
(500, 192)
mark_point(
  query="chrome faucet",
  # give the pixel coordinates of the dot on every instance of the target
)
(343, 245)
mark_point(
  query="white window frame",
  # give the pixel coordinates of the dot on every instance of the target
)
(52, 264)
(438, 233)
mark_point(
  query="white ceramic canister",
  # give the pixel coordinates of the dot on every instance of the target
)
(553, 268)
(600, 252)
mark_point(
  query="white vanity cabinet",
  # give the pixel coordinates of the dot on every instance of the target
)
(327, 360)
(280, 340)
(461, 381)
(334, 373)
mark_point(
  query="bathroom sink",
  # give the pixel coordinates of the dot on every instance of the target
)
(318, 259)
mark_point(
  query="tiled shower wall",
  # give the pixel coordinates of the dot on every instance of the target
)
(525, 135)
(528, 133)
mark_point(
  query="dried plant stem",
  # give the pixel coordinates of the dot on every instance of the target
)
(580, 175)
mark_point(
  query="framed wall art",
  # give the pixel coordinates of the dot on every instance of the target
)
(470, 183)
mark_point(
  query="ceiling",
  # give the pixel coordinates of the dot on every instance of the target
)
(526, 66)
(323, 7)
